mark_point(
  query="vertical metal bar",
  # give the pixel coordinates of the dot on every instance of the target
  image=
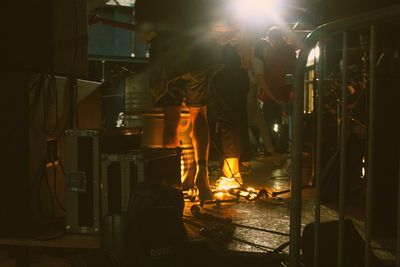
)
(371, 144)
(343, 152)
(96, 183)
(297, 160)
(105, 162)
(103, 71)
(398, 218)
(319, 111)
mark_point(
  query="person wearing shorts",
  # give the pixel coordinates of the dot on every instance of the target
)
(181, 70)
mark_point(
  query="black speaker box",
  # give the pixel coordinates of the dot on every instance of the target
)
(44, 36)
(155, 232)
(353, 245)
(15, 184)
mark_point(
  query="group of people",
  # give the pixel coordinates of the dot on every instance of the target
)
(192, 64)
(237, 94)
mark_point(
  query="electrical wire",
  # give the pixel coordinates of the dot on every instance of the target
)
(76, 103)
(50, 106)
(70, 114)
(44, 91)
(245, 226)
(41, 177)
(258, 246)
(60, 205)
(249, 243)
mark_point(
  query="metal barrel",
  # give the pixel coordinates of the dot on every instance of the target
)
(141, 112)
(137, 93)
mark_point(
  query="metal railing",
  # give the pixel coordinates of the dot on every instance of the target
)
(341, 27)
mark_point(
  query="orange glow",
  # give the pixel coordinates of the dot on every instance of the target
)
(222, 195)
(219, 195)
(225, 184)
(183, 175)
(193, 192)
(188, 166)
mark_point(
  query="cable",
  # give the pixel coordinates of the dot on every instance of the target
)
(260, 229)
(195, 210)
(77, 34)
(76, 104)
(67, 109)
(214, 234)
(258, 246)
(37, 186)
(44, 90)
(55, 186)
(246, 226)
(42, 176)
(61, 165)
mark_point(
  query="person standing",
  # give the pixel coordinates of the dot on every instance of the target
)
(258, 84)
(184, 57)
(279, 61)
(229, 89)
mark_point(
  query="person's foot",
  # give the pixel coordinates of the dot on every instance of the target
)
(224, 183)
(203, 184)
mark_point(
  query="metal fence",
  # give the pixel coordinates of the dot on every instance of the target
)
(341, 29)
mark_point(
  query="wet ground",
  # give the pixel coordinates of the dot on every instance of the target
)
(260, 225)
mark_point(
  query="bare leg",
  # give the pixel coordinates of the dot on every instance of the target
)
(172, 117)
(201, 139)
(230, 168)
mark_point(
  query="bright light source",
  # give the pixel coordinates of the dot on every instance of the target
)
(276, 128)
(313, 56)
(256, 9)
(363, 171)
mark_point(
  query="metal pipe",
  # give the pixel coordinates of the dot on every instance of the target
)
(297, 157)
(320, 103)
(103, 71)
(343, 152)
(398, 219)
(371, 144)
(356, 22)
(383, 15)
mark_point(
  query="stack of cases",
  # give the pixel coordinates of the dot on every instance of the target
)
(82, 165)
(83, 175)
(121, 172)
(100, 180)
(119, 175)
